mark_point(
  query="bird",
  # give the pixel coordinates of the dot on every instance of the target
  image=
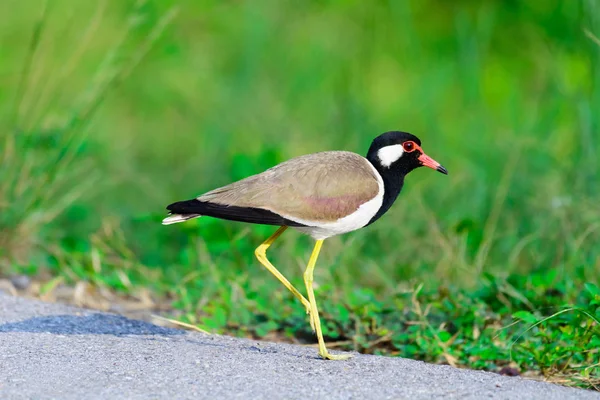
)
(322, 194)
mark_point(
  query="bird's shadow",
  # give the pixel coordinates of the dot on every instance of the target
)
(97, 324)
(116, 325)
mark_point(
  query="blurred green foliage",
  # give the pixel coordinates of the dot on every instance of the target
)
(111, 110)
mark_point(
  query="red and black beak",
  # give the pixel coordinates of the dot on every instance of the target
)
(431, 163)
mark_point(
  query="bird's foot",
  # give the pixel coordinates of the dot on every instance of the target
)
(337, 357)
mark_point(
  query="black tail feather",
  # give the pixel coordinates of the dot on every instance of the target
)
(233, 213)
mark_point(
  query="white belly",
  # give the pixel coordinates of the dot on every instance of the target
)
(349, 223)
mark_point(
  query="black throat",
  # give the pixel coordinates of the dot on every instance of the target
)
(393, 180)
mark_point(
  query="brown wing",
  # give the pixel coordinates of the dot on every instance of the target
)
(317, 187)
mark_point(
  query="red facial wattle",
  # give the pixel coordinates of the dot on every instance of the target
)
(426, 161)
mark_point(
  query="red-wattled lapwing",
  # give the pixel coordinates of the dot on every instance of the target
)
(322, 194)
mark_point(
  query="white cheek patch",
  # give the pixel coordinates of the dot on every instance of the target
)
(390, 154)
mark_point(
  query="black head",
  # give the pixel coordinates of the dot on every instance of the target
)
(395, 154)
(399, 153)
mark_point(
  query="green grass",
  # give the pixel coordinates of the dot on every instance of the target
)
(111, 110)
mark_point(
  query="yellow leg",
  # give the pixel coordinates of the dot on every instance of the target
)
(314, 312)
(261, 255)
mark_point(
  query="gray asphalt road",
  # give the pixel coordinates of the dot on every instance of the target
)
(51, 351)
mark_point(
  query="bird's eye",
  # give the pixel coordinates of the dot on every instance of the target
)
(408, 146)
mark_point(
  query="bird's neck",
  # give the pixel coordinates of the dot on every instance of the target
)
(393, 180)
